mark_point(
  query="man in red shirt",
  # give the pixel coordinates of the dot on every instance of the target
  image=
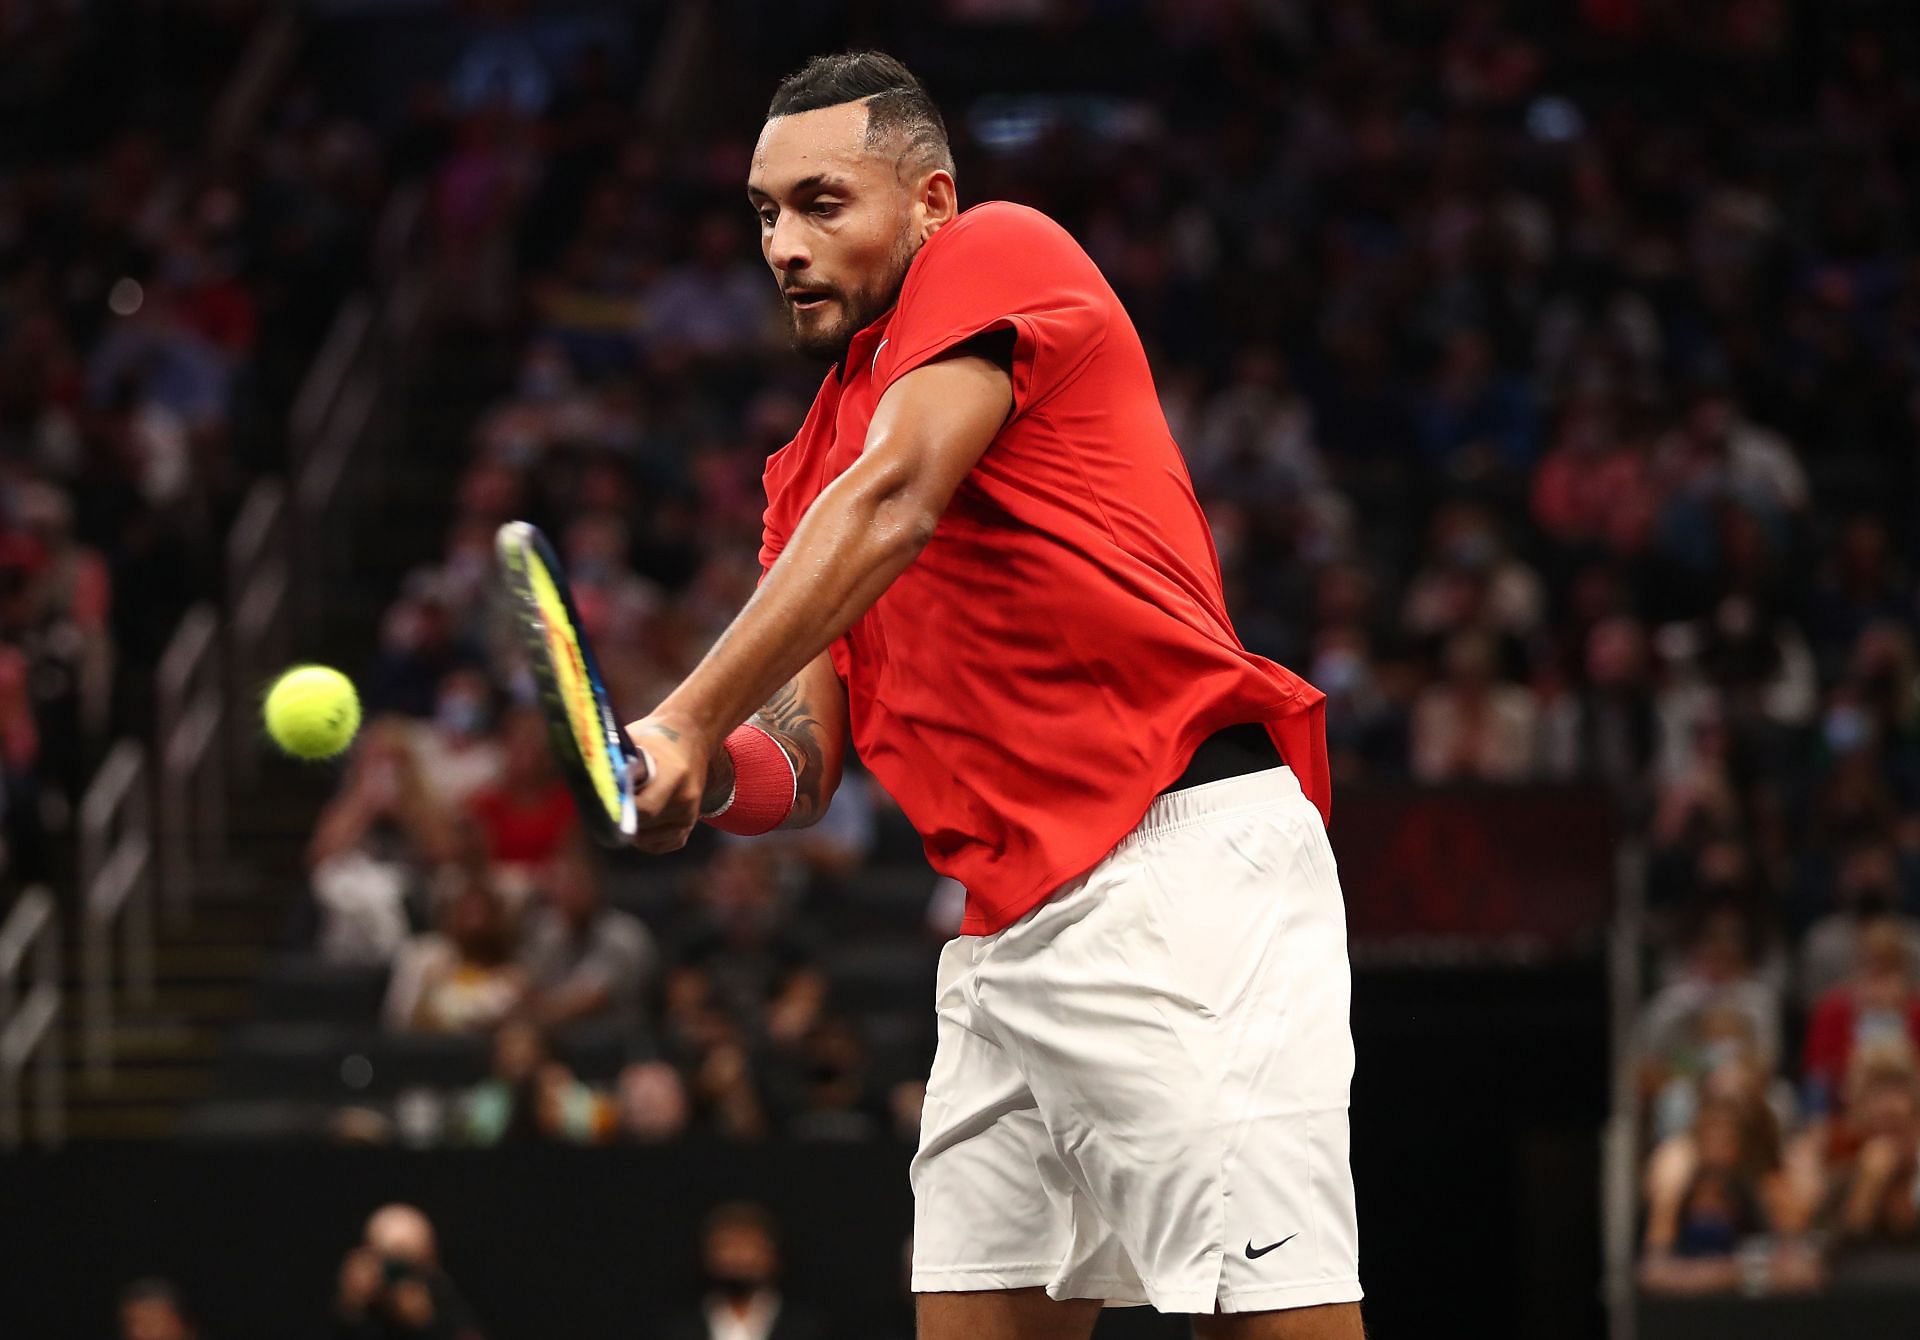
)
(983, 557)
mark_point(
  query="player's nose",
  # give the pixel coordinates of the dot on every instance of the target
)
(786, 245)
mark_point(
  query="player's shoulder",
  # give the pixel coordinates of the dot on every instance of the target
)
(997, 221)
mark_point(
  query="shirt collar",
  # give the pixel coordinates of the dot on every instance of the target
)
(865, 340)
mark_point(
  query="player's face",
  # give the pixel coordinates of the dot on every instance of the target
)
(838, 225)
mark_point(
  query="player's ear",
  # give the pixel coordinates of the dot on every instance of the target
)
(935, 202)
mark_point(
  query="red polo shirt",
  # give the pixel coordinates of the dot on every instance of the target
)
(1051, 660)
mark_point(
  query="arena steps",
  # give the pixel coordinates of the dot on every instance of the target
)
(164, 1054)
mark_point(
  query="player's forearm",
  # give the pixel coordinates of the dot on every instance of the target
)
(863, 532)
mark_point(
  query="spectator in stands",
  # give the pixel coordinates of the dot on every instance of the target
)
(19, 759)
(585, 963)
(726, 1090)
(1865, 892)
(740, 1263)
(1877, 1187)
(1607, 728)
(742, 956)
(151, 1309)
(1475, 418)
(1729, 1062)
(1471, 580)
(1880, 1004)
(462, 978)
(1862, 585)
(373, 846)
(458, 752)
(716, 305)
(531, 1097)
(820, 1087)
(653, 1102)
(419, 648)
(1715, 1001)
(70, 619)
(1472, 726)
(391, 1286)
(1711, 1190)
(527, 816)
(1719, 459)
(1594, 489)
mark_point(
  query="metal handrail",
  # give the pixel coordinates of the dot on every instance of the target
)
(190, 704)
(326, 463)
(1620, 1138)
(258, 588)
(29, 1023)
(116, 892)
(319, 392)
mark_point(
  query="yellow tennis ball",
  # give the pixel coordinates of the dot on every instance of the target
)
(312, 711)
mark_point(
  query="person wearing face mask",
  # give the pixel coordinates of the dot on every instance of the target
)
(1880, 1005)
(458, 753)
(740, 1263)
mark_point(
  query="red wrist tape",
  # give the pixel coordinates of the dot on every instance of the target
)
(764, 784)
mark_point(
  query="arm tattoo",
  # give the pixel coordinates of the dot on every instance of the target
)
(790, 720)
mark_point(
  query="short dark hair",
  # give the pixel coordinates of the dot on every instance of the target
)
(742, 1214)
(897, 103)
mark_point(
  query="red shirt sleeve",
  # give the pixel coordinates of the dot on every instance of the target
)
(1830, 1036)
(1000, 266)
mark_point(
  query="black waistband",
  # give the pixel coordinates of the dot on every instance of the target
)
(1231, 752)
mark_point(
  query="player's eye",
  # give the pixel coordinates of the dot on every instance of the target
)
(822, 209)
(767, 217)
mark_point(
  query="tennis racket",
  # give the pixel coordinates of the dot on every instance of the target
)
(601, 764)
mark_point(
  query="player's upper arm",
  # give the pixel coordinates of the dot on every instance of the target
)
(932, 426)
(808, 716)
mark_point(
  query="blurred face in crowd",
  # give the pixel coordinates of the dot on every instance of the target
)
(1616, 653)
(463, 707)
(477, 924)
(518, 1052)
(653, 1102)
(1721, 952)
(740, 1257)
(570, 887)
(153, 1319)
(402, 1233)
(528, 761)
(739, 888)
(1870, 880)
(1884, 973)
(840, 221)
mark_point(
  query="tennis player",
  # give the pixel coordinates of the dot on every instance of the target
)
(983, 556)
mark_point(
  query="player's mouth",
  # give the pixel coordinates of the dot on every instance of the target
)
(808, 299)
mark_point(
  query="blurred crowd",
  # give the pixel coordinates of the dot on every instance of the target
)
(393, 1283)
(1549, 375)
(155, 303)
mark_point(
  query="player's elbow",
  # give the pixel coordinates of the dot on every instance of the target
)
(903, 523)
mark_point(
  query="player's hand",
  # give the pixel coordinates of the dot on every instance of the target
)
(667, 804)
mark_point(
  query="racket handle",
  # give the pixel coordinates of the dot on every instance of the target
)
(639, 766)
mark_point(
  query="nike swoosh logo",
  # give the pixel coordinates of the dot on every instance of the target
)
(1255, 1253)
(876, 352)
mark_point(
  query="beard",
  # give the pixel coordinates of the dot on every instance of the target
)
(825, 333)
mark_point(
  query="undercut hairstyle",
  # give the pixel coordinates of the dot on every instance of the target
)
(898, 107)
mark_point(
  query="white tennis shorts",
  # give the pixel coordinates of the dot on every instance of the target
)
(1140, 1089)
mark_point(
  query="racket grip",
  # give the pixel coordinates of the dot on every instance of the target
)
(639, 767)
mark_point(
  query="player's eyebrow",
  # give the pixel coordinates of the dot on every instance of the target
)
(819, 181)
